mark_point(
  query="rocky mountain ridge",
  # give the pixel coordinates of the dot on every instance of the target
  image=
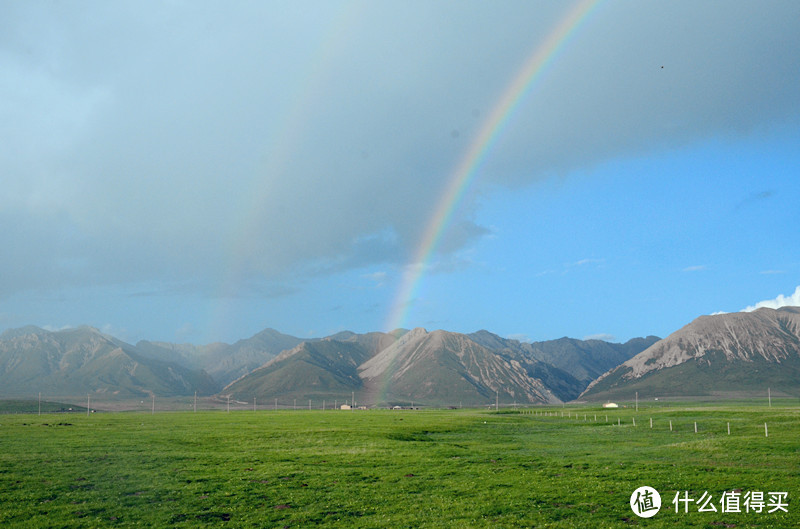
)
(84, 360)
(720, 354)
(437, 366)
(712, 354)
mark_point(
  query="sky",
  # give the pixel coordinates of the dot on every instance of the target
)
(200, 171)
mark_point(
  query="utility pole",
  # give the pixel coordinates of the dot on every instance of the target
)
(637, 401)
(769, 397)
(254, 404)
(195, 402)
(88, 404)
(229, 403)
(40, 403)
(496, 400)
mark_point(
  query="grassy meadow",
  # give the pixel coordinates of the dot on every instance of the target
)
(395, 469)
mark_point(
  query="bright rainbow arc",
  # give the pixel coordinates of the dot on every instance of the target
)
(466, 170)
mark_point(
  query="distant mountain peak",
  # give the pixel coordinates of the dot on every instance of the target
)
(22, 331)
(439, 367)
(721, 352)
(81, 360)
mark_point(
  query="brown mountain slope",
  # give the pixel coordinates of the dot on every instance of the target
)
(725, 353)
(84, 360)
(317, 370)
(447, 368)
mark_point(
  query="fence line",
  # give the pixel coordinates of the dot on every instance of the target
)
(694, 424)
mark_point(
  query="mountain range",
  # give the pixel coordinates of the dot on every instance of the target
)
(436, 367)
(726, 353)
(83, 360)
(736, 353)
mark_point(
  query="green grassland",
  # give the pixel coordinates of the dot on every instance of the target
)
(32, 406)
(395, 469)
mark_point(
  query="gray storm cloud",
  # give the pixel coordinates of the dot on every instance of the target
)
(172, 142)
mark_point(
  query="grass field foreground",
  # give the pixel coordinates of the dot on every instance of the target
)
(395, 469)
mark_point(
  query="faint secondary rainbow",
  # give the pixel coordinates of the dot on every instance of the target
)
(278, 149)
(531, 71)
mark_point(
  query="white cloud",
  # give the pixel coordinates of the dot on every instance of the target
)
(587, 261)
(601, 336)
(379, 278)
(569, 267)
(781, 301)
(56, 328)
(519, 337)
(696, 268)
